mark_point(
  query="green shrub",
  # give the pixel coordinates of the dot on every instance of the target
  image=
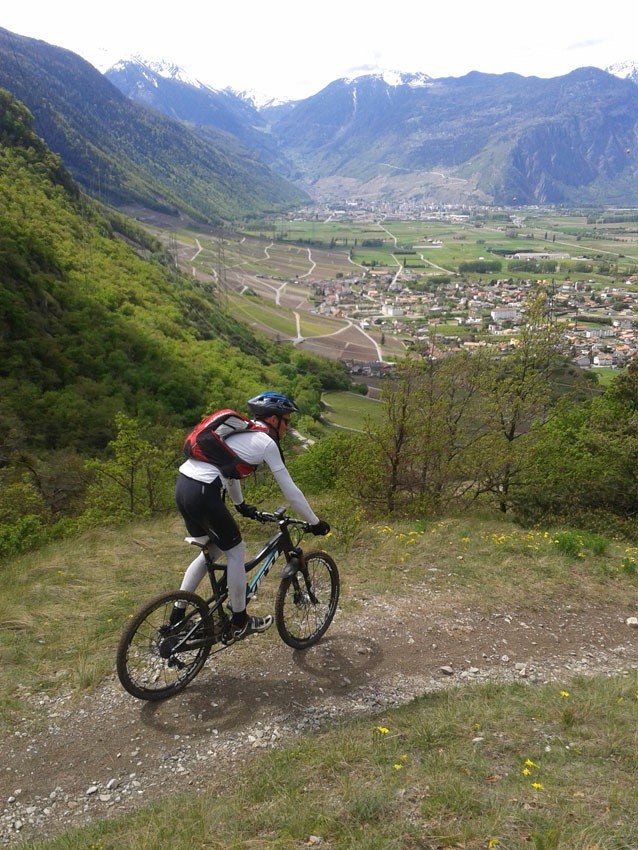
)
(25, 533)
(324, 465)
(576, 543)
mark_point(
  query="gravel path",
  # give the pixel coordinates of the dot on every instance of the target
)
(105, 754)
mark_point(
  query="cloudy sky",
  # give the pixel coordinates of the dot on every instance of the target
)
(291, 49)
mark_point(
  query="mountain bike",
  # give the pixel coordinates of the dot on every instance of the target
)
(156, 660)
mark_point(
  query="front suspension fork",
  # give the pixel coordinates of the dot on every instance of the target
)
(294, 565)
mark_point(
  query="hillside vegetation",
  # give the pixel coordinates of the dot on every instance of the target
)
(95, 322)
(108, 354)
(129, 155)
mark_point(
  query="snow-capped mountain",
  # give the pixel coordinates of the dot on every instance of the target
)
(150, 71)
(258, 100)
(394, 78)
(151, 68)
(176, 92)
(627, 70)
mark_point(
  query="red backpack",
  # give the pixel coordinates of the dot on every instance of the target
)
(206, 442)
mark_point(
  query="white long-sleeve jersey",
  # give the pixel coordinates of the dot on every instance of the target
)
(254, 447)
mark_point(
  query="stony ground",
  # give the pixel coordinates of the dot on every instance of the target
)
(105, 754)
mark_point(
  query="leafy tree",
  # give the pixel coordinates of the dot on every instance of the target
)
(327, 463)
(625, 387)
(138, 479)
(451, 422)
(383, 461)
(584, 468)
(458, 428)
(480, 266)
(516, 391)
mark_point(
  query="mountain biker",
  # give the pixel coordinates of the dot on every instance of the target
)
(199, 496)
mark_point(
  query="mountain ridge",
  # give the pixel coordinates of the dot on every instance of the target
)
(147, 136)
(130, 155)
(624, 69)
(481, 138)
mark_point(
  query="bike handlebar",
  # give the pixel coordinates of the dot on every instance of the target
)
(279, 516)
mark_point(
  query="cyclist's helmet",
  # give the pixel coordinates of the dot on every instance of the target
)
(271, 403)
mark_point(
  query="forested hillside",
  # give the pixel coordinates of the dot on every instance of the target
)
(95, 323)
(128, 155)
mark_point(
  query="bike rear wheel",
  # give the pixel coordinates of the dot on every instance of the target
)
(156, 660)
(306, 604)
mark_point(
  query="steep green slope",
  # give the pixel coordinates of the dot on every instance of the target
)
(88, 326)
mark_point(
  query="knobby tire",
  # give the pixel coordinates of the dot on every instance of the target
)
(152, 666)
(302, 614)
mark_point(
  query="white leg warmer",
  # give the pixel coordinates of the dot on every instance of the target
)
(196, 570)
(236, 574)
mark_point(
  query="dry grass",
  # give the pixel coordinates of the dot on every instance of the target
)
(62, 608)
(507, 766)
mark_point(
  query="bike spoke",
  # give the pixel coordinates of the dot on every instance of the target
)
(304, 609)
(156, 660)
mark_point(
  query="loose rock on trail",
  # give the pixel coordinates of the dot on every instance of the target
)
(104, 754)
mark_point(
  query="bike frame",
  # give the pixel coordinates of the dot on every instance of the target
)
(280, 543)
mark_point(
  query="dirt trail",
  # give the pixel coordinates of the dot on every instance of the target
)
(105, 754)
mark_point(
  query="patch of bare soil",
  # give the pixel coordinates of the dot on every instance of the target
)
(105, 754)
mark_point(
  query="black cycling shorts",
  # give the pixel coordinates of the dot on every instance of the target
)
(203, 509)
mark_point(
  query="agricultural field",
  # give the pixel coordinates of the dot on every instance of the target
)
(313, 250)
(350, 411)
(288, 278)
(256, 256)
(605, 252)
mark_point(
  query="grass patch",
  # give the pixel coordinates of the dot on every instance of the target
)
(255, 311)
(487, 563)
(62, 607)
(350, 410)
(316, 326)
(576, 543)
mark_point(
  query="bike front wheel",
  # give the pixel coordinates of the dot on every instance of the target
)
(156, 660)
(306, 603)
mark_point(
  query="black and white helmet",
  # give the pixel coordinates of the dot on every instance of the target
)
(271, 403)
